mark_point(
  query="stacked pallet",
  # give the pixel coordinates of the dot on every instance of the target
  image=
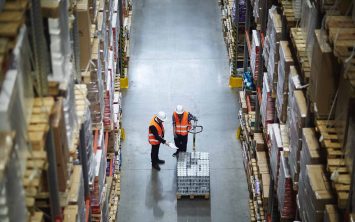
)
(114, 197)
(291, 11)
(336, 164)
(314, 193)
(227, 27)
(76, 200)
(271, 47)
(296, 120)
(37, 159)
(284, 65)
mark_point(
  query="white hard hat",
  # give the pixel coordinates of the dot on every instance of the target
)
(179, 109)
(162, 116)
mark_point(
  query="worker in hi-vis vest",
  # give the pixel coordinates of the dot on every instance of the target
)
(155, 137)
(181, 125)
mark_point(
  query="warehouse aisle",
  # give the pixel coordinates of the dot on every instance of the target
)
(178, 57)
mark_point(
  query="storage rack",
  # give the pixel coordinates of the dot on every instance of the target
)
(60, 118)
(296, 135)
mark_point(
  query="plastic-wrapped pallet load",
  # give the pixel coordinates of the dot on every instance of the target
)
(282, 81)
(267, 104)
(275, 149)
(12, 204)
(285, 193)
(271, 45)
(310, 153)
(296, 120)
(309, 21)
(297, 8)
(254, 54)
(193, 174)
(314, 193)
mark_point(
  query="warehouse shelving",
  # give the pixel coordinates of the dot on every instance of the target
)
(61, 109)
(291, 53)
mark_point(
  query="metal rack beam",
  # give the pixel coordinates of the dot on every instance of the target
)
(39, 49)
(52, 178)
(247, 29)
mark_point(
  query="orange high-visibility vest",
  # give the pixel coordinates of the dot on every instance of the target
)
(151, 138)
(182, 126)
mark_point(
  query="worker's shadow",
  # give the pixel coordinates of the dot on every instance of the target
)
(154, 193)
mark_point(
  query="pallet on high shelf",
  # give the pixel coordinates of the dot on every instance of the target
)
(37, 159)
(288, 12)
(336, 164)
(341, 31)
(299, 44)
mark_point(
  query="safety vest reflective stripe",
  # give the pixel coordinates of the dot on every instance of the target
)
(151, 138)
(182, 126)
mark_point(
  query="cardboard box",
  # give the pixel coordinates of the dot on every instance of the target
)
(324, 76)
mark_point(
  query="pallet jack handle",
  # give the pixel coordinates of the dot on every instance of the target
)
(195, 129)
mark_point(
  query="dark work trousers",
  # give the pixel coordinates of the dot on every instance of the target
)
(181, 143)
(154, 154)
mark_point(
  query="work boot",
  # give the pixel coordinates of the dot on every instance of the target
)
(156, 166)
(175, 154)
(161, 161)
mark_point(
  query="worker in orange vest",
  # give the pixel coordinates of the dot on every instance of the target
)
(155, 137)
(181, 125)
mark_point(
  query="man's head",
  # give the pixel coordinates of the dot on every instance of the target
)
(161, 116)
(179, 109)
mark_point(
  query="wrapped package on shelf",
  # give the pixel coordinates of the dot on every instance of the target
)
(254, 54)
(297, 8)
(22, 63)
(267, 108)
(282, 81)
(12, 194)
(12, 114)
(97, 193)
(70, 113)
(324, 76)
(310, 153)
(314, 193)
(275, 149)
(309, 21)
(60, 50)
(271, 45)
(285, 193)
(296, 121)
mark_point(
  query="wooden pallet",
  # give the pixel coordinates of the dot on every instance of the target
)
(193, 196)
(299, 43)
(287, 11)
(335, 160)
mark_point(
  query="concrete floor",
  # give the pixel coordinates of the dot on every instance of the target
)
(178, 57)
